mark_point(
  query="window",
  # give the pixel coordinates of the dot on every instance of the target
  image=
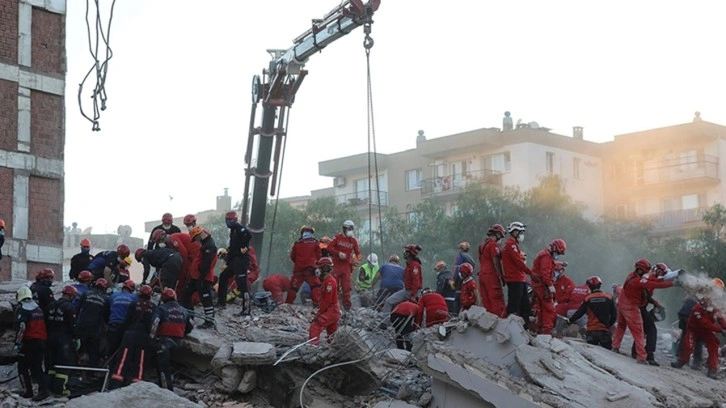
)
(361, 189)
(458, 171)
(413, 179)
(550, 162)
(500, 162)
(688, 160)
(439, 170)
(576, 163)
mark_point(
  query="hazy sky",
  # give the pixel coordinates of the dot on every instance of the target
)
(179, 87)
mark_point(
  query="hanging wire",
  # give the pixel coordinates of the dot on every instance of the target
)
(99, 68)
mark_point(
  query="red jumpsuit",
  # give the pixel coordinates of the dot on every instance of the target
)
(701, 326)
(328, 312)
(543, 275)
(432, 310)
(189, 251)
(468, 293)
(632, 298)
(563, 294)
(304, 254)
(490, 283)
(277, 285)
(412, 279)
(514, 268)
(343, 267)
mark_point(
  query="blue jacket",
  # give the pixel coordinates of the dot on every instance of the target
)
(82, 289)
(120, 305)
(391, 276)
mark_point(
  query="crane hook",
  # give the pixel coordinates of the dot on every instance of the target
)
(368, 41)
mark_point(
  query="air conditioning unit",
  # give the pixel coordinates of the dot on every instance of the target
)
(340, 181)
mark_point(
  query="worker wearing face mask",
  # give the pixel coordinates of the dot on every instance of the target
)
(515, 272)
(543, 283)
(166, 226)
(80, 261)
(344, 250)
(190, 221)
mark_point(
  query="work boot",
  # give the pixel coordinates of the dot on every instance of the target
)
(641, 362)
(697, 366)
(616, 350)
(653, 362)
(712, 374)
(677, 364)
(42, 394)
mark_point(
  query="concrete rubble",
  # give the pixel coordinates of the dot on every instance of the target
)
(138, 395)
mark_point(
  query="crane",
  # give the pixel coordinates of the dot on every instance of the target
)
(275, 90)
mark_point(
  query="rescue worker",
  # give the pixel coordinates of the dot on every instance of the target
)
(461, 257)
(123, 271)
(253, 271)
(683, 313)
(119, 304)
(703, 323)
(601, 314)
(634, 296)
(445, 286)
(403, 320)
(431, 309)
(2, 238)
(134, 348)
(491, 278)
(189, 251)
(42, 294)
(304, 254)
(412, 279)
(571, 302)
(277, 285)
(84, 281)
(469, 292)
(305, 293)
(30, 339)
(515, 272)
(328, 313)
(167, 261)
(238, 262)
(169, 324)
(649, 327)
(366, 274)
(344, 251)
(166, 226)
(201, 279)
(108, 260)
(543, 283)
(391, 277)
(81, 260)
(564, 285)
(190, 221)
(324, 241)
(93, 313)
(60, 320)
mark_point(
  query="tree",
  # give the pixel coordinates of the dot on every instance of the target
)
(709, 248)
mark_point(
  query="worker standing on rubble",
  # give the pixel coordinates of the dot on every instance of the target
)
(445, 286)
(683, 313)
(81, 260)
(601, 314)
(431, 309)
(543, 284)
(277, 285)
(491, 278)
(201, 279)
(84, 281)
(564, 286)
(169, 324)
(304, 255)
(649, 327)
(403, 320)
(42, 293)
(703, 323)
(366, 275)
(391, 277)
(119, 304)
(633, 297)
(238, 262)
(189, 251)
(469, 292)
(515, 273)
(108, 260)
(344, 251)
(412, 279)
(462, 257)
(133, 351)
(167, 261)
(328, 313)
(30, 338)
(60, 320)
(166, 226)
(93, 314)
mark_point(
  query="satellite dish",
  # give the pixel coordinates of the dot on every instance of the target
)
(87, 231)
(124, 231)
(533, 125)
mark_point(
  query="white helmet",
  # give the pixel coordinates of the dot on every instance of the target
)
(516, 226)
(23, 293)
(348, 224)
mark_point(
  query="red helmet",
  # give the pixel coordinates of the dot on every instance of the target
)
(412, 249)
(325, 261)
(45, 273)
(168, 294)
(231, 215)
(123, 250)
(167, 218)
(560, 266)
(156, 235)
(139, 253)
(101, 283)
(643, 264)
(130, 285)
(594, 282)
(497, 228)
(466, 269)
(146, 291)
(85, 242)
(660, 266)
(189, 219)
(2, 223)
(558, 246)
(85, 277)
(464, 246)
(69, 290)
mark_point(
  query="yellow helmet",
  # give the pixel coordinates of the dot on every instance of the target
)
(127, 261)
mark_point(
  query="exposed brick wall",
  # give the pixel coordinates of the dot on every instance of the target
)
(34, 267)
(9, 31)
(6, 213)
(8, 110)
(48, 36)
(46, 125)
(46, 211)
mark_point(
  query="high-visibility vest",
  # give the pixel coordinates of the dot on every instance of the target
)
(366, 278)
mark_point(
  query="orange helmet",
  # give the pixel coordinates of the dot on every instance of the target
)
(85, 242)
(195, 231)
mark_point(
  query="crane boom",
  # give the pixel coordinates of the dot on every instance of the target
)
(276, 90)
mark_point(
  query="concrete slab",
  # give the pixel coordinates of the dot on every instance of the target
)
(138, 395)
(202, 343)
(252, 353)
(394, 404)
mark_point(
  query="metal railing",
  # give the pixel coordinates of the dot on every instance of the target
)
(672, 170)
(671, 219)
(456, 182)
(361, 199)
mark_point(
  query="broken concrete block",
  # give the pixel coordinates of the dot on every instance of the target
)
(138, 395)
(394, 404)
(251, 353)
(274, 336)
(230, 377)
(221, 358)
(479, 317)
(202, 343)
(396, 356)
(248, 383)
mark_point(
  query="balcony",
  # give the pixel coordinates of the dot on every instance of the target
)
(360, 199)
(697, 168)
(676, 219)
(454, 184)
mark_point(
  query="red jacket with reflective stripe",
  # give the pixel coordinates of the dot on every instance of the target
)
(515, 270)
(329, 298)
(412, 279)
(543, 269)
(635, 289)
(488, 251)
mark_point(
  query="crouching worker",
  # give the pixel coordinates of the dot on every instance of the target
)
(403, 320)
(703, 324)
(169, 324)
(328, 313)
(601, 315)
(130, 360)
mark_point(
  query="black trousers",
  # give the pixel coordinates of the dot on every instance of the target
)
(518, 302)
(30, 363)
(600, 338)
(61, 351)
(170, 271)
(236, 267)
(404, 326)
(131, 358)
(204, 289)
(165, 347)
(651, 334)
